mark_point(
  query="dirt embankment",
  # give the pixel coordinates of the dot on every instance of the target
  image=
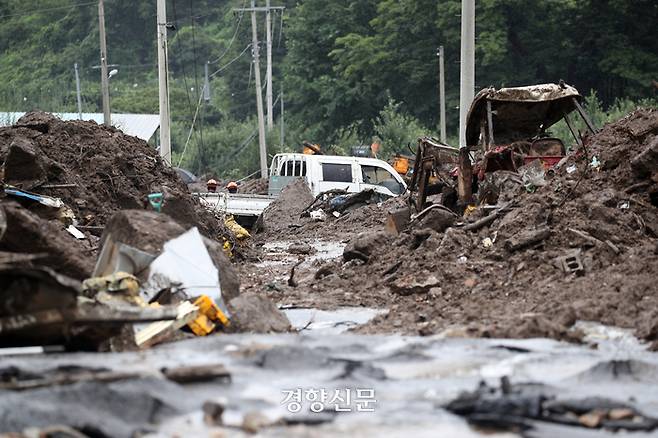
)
(597, 214)
(96, 171)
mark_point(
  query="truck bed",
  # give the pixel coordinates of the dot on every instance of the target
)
(235, 203)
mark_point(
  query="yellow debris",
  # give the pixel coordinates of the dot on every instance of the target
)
(209, 315)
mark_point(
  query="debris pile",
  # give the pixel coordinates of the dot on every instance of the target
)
(579, 243)
(86, 202)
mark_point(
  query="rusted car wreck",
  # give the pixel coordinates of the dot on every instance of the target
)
(507, 128)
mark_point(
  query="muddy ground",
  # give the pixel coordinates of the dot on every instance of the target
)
(600, 203)
(96, 171)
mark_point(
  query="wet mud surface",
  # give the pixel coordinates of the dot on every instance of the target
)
(413, 378)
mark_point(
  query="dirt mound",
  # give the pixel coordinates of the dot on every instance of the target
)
(282, 215)
(95, 169)
(581, 247)
(258, 186)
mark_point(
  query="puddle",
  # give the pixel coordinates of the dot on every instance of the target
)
(276, 253)
(330, 321)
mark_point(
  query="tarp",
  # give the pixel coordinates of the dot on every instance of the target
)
(520, 112)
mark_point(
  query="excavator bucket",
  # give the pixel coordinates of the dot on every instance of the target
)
(398, 220)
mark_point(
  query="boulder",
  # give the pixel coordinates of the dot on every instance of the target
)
(255, 313)
(364, 245)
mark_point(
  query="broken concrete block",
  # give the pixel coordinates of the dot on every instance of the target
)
(364, 245)
(258, 314)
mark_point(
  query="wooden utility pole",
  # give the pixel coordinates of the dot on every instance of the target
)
(77, 90)
(466, 94)
(105, 86)
(467, 70)
(281, 122)
(163, 83)
(268, 25)
(442, 96)
(259, 97)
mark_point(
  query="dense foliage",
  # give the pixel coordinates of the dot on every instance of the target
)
(350, 70)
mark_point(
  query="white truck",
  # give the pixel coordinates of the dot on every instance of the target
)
(321, 172)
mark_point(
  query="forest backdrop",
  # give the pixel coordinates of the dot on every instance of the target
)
(350, 71)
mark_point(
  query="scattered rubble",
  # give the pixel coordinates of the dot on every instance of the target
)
(511, 286)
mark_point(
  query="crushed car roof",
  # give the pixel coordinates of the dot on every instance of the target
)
(520, 112)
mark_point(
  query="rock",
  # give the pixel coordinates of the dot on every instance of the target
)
(254, 421)
(415, 283)
(527, 238)
(364, 245)
(646, 162)
(258, 314)
(29, 233)
(438, 220)
(300, 248)
(149, 230)
(212, 413)
(592, 419)
(23, 166)
(621, 414)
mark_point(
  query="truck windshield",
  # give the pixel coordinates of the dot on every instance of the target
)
(381, 177)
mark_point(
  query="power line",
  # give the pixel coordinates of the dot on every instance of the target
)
(225, 66)
(196, 85)
(237, 28)
(17, 14)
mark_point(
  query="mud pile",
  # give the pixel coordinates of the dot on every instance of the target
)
(258, 186)
(282, 217)
(96, 171)
(581, 246)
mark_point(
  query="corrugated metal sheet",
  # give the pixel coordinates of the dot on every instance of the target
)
(140, 125)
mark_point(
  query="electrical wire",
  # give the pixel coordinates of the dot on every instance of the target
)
(196, 85)
(179, 54)
(222, 68)
(77, 5)
(235, 33)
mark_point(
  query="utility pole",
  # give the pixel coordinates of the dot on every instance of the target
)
(283, 132)
(259, 97)
(163, 82)
(442, 96)
(77, 90)
(268, 25)
(105, 86)
(467, 74)
(467, 85)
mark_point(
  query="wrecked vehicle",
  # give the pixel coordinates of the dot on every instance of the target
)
(508, 128)
(322, 173)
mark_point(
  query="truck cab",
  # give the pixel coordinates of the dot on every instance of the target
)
(329, 172)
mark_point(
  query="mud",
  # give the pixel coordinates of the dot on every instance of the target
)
(96, 171)
(516, 287)
(103, 169)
